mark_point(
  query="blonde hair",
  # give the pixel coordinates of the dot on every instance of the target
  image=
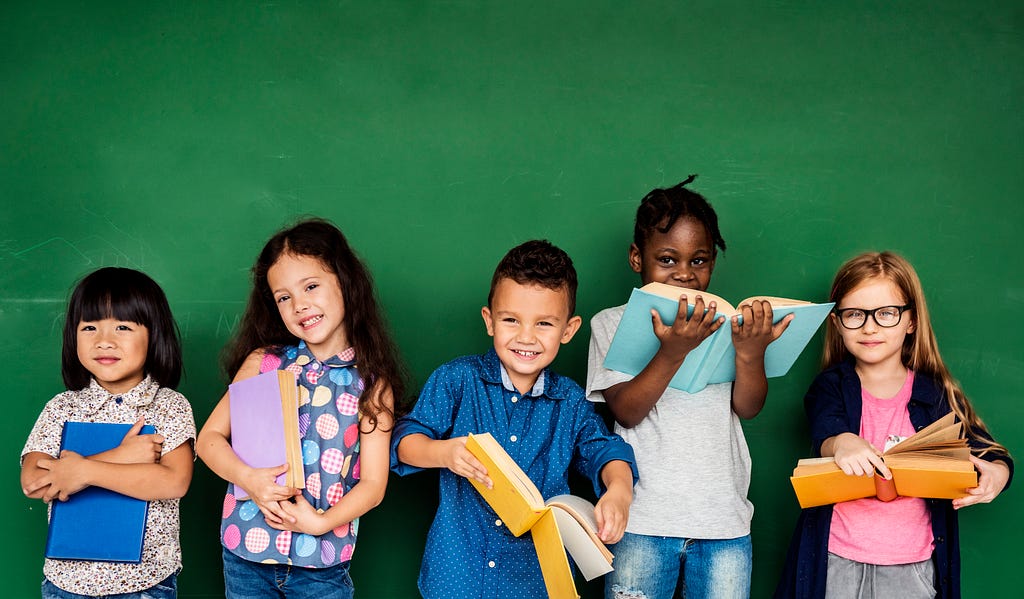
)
(920, 350)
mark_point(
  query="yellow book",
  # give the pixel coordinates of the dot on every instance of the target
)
(932, 463)
(562, 523)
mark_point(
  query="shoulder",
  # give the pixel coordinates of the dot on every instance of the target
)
(171, 398)
(563, 387)
(609, 317)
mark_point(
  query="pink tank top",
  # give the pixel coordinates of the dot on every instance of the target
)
(876, 532)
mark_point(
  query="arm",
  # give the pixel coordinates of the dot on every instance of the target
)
(612, 509)
(167, 479)
(631, 401)
(751, 339)
(421, 451)
(214, 447)
(364, 496)
(32, 475)
(854, 455)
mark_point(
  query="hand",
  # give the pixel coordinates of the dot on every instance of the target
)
(66, 476)
(752, 336)
(686, 333)
(991, 482)
(855, 456)
(459, 460)
(136, 448)
(261, 485)
(303, 517)
(612, 512)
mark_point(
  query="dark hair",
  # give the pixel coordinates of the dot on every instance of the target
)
(662, 207)
(129, 295)
(262, 328)
(540, 263)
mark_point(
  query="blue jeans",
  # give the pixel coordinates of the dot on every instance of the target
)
(648, 567)
(165, 589)
(252, 580)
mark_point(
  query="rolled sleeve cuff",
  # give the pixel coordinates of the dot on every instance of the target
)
(613, 451)
(403, 429)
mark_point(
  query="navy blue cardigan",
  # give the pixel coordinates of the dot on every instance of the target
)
(833, 405)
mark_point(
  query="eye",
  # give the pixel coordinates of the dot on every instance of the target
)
(87, 327)
(124, 327)
(312, 286)
(509, 320)
(666, 260)
(699, 261)
(545, 323)
(283, 298)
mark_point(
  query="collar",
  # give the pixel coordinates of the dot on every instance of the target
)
(549, 384)
(345, 359)
(95, 396)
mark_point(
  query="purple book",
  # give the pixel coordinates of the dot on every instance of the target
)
(265, 425)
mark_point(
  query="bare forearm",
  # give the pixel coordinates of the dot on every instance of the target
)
(751, 386)
(618, 476)
(421, 451)
(630, 402)
(30, 473)
(362, 498)
(142, 481)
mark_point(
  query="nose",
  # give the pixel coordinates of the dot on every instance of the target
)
(525, 335)
(105, 339)
(683, 274)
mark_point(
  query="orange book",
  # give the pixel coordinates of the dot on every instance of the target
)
(562, 523)
(932, 463)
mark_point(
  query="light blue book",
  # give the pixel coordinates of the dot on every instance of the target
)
(97, 524)
(714, 360)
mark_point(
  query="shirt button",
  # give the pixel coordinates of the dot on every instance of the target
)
(490, 564)
(118, 400)
(514, 399)
(513, 438)
(497, 522)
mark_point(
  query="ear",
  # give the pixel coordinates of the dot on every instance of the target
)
(912, 327)
(635, 260)
(485, 312)
(570, 329)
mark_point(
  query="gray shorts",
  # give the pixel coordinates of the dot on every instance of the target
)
(848, 579)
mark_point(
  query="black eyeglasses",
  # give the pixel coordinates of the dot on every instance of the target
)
(885, 316)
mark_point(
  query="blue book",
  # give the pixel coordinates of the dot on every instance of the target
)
(714, 360)
(97, 524)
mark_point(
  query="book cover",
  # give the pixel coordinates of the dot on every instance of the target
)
(97, 524)
(264, 412)
(563, 523)
(714, 360)
(932, 463)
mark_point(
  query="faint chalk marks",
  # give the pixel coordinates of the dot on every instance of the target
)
(42, 244)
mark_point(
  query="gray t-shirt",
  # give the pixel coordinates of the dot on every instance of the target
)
(693, 459)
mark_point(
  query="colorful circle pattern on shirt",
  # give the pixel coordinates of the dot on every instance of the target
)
(329, 425)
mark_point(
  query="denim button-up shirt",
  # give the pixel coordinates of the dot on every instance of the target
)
(469, 552)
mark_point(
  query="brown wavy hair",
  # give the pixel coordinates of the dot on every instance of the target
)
(262, 328)
(920, 349)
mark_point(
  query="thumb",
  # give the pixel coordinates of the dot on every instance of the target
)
(781, 326)
(136, 428)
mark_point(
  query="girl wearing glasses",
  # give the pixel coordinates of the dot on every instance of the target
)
(883, 380)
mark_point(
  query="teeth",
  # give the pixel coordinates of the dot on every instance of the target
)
(526, 354)
(312, 321)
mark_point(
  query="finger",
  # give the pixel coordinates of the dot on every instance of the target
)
(698, 310)
(683, 310)
(780, 327)
(45, 463)
(657, 324)
(134, 430)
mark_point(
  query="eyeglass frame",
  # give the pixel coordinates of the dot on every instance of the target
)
(839, 315)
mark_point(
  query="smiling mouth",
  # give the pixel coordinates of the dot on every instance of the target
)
(309, 322)
(526, 354)
(106, 360)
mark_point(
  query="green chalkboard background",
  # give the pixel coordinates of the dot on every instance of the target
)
(175, 137)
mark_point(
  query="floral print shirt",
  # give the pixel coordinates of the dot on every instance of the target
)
(171, 415)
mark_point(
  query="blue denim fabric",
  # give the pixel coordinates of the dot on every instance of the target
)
(252, 580)
(659, 567)
(165, 589)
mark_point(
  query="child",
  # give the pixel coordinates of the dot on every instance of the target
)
(539, 417)
(312, 311)
(689, 526)
(121, 362)
(884, 377)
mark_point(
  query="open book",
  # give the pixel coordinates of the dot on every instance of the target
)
(264, 413)
(931, 463)
(564, 522)
(714, 360)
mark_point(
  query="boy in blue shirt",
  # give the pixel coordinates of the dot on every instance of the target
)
(542, 419)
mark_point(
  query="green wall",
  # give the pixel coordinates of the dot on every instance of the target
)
(175, 137)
